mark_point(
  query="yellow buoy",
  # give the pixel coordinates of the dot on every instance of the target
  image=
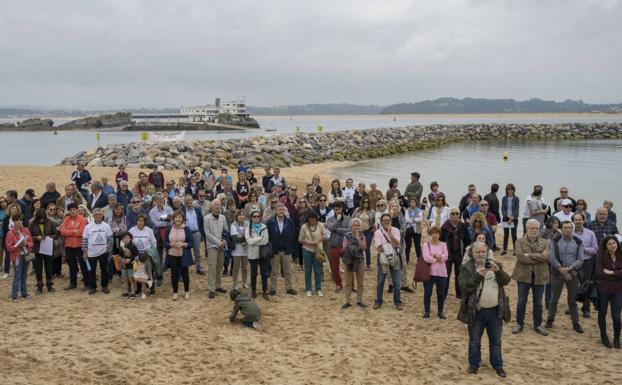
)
(506, 155)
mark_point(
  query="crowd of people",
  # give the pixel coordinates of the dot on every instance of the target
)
(248, 226)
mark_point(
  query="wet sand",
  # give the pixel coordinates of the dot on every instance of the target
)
(74, 338)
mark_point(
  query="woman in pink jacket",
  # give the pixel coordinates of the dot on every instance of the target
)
(435, 253)
(19, 244)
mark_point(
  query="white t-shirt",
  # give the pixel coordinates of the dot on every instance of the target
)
(96, 236)
(527, 211)
(564, 217)
(143, 239)
(241, 249)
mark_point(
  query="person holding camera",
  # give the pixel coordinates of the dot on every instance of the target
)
(566, 260)
(531, 273)
(484, 306)
(387, 240)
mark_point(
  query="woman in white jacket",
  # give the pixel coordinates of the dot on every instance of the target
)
(256, 235)
(439, 213)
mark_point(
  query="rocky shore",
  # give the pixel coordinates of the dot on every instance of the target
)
(306, 148)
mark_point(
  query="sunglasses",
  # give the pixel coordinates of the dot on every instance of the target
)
(477, 221)
(135, 202)
(293, 189)
(51, 209)
(455, 213)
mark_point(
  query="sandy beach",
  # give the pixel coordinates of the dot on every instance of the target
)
(74, 338)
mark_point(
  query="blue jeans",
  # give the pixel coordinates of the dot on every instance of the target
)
(485, 319)
(523, 293)
(395, 278)
(310, 263)
(440, 283)
(368, 235)
(7, 262)
(20, 273)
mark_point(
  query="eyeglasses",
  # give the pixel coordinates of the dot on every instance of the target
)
(568, 206)
(293, 189)
(51, 209)
(484, 204)
(255, 216)
(455, 213)
(135, 202)
(477, 221)
(275, 202)
(322, 200)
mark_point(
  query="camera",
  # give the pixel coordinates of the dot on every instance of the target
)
(487, 264)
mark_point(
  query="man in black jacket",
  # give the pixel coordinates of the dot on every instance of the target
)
(493, 201)
(282, 238)
(466, 200)
(50, 195)
(454, 233)
(98, 199)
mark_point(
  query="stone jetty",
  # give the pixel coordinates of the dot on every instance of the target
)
(305, 148)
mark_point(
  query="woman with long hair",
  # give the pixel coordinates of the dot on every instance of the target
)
(336, 193)
(19, 245)
(178, 242)
(439, 212)
(256, 235)
(609, 284)
(435, 253)
(43, 228)
(510, 204)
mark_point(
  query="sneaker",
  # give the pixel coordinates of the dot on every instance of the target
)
(517, 329)
(309, 293)
(14, 300)
(244, 286)
(92, 291)
(377, 306)
(257, 326)
(143, 296)
(187, 295)
(105, 290)
(150, 284)
(346, 305)
(132, 296)
(362, 305)
(5, 276)
(407, 289)
(540, 330)
(175, 296)
(70, 287)
(221, 290)
(501, 373)
(473, 369)
(399, 306)
(320, 294)
(426, 315)
(441, 316)
(291, 292)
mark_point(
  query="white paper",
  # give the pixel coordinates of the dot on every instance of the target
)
(47, 246)
(507, 225)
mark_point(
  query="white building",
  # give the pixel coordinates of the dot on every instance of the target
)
(207, 113)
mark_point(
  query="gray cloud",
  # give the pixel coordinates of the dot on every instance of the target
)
(128, 53)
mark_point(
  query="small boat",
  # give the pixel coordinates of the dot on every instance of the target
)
(271, 129)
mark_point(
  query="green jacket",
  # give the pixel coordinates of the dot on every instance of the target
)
(247, 306)
(537, 262)
(469, 281)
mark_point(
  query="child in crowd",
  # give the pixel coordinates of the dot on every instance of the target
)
(143, 272)
(251, 312)
(129, 253)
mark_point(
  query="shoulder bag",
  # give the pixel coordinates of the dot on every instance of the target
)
(265, 251)
(422, 269)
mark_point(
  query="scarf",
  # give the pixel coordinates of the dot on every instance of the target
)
(256, 227)
(455, 233)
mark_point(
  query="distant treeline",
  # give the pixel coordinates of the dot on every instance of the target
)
(496, 106)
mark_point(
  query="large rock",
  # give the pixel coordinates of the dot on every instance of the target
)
(119, 119)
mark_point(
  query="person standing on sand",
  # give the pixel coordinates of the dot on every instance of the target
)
(311, 237)
(609, 283)
(434, 193)
(367, 216)
(354, 246)
(485, 306)
(393, 191)
(435, 253)
(414, 188)
(455, 234)
(71, 230)
(510, 205)
(338, 225)
(256, 235)
(43, 228)
(19, 244)
(215, 224)
(178, 242)
(96, 245)
(374, 194)
(590, 251)
(387, 240)
(531, 272)
(50, 195)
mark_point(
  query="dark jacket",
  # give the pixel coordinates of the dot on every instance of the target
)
(247, 306)
(101, 202)
(464, 202)
(536, 264)
(124, 198)
(49, 230)
(493, 205)
(49, 197)
(515, 209)
(457, 240)
(199, 215)
(608, 283)
(282, 241)
(469, 281)
(186, 258)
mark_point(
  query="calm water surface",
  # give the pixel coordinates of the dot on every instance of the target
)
(592, 169)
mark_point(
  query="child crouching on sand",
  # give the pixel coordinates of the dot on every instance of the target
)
(129, 253)
(248, 307)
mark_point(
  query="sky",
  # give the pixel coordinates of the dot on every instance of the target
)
(154, 53)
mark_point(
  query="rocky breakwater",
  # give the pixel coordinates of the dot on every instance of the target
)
(34, 124)
(306, 148)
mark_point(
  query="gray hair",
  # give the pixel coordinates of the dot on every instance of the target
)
(97, 210)
(355, 220)
(531, 222)
(97, 184)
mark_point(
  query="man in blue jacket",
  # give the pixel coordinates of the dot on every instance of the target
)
(282, 238)
(194, 221)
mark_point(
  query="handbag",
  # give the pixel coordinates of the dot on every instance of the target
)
(320, 254)
(265, 251)
(389, 256)
(422, 269)
(587, 290)
(116, 259)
